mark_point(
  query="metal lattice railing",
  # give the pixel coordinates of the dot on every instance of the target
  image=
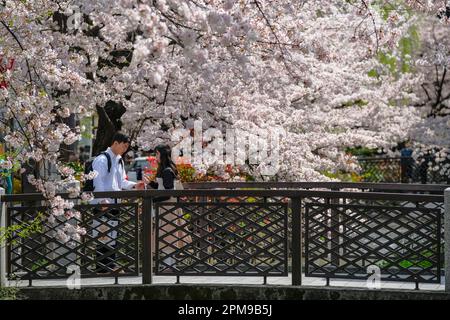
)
(402, 169)
(343, 240)
(222, 238)
(333, 230)
(110, 245)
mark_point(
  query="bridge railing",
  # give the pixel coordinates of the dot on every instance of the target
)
(332, 230)
(402, 169)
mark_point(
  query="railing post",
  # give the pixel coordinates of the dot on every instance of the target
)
(447, 239)
(335, 239)
(2, 245)
(147, 263)
(296, 242)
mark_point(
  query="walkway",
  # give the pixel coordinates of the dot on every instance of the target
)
(307, 281)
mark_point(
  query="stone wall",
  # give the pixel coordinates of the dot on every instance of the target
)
(225, 292)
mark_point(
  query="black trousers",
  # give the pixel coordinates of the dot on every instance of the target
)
(109, 263)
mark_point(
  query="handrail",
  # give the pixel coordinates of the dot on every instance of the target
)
(311, 185)
(383, 158)
(291, 193)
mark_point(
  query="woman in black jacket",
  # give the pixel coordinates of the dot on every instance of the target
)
(166, 173)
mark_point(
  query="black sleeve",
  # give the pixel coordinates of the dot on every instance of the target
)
(153, 184)
(168, 178)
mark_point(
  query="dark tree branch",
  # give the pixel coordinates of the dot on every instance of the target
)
(21, 47)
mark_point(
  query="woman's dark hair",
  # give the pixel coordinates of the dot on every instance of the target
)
(165, 160)
(120, 137)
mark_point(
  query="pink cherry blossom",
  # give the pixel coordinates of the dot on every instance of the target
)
(300, 66)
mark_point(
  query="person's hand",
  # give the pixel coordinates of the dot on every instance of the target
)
(147, 178)
(140, 185)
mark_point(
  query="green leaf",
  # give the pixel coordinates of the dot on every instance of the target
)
(425, 264)
(388, 60)
(373, 73)
(406, 264)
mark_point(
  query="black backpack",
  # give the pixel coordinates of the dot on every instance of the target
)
(89, 184)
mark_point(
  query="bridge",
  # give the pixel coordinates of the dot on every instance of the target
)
(315, 236)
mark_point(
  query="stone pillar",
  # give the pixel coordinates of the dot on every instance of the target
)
(447, 239)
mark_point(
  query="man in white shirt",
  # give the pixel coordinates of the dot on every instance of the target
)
(113, 179)
(111, 176)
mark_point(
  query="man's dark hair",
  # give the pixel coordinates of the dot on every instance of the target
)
(120, 137)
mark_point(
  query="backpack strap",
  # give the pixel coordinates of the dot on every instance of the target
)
(108, 157)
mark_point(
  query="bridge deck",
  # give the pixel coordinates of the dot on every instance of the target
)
(307, 281)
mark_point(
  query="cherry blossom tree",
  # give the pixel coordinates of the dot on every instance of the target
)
(310, 68)
(306, 73)
(430, 135)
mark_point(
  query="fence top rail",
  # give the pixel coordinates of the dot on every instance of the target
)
(241, 193)
(383, 158)
(325, 185)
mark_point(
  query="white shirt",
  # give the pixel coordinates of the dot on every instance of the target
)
(110, 181)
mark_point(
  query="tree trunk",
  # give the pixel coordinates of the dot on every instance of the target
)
(108, 124)
(31, 167)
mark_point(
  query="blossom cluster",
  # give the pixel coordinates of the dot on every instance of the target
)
(251, 65)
